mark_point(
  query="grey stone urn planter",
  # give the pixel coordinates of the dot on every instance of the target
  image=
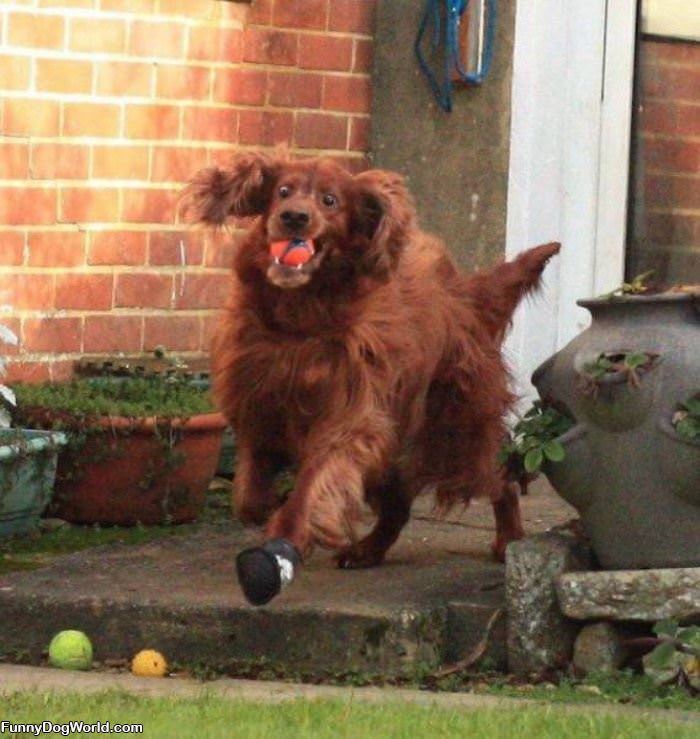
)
(633, 479)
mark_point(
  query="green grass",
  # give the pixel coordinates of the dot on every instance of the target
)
(625, 688)
(214, 717)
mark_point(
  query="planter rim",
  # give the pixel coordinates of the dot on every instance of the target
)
(42, 440)
(198, 422)
(667, 297)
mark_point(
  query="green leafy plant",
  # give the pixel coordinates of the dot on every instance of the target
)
(77, 407)
(534, 439)
(676, 657)
(686, 419)
(7, 396)
(629, 365)
(163, 397)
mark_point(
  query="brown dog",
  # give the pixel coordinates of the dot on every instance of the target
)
(355, 350)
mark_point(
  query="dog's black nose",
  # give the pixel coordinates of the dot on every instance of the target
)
(295, 219)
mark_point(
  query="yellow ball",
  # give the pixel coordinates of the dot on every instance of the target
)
(71, 650)
(149, 663)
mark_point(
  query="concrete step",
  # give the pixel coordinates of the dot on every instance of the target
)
(429, 604)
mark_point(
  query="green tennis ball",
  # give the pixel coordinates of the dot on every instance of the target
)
(71, 650)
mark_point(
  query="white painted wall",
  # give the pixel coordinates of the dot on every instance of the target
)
(571, 107)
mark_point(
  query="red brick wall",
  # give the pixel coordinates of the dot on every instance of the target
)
(108, 106)
(666, 218)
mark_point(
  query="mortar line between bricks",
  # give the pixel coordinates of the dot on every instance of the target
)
(107, 226)
(97, 57)
(124, 269)
(132, 102)
(178, 143)
(670, 137)
(674, 173)
(674, 211)
(672, 100)
(323, 32)
(652, 64)
(22, 678)
(75, 356)
(156, 18)
(102, 57)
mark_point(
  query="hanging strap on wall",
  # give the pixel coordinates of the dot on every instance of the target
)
(446, 43)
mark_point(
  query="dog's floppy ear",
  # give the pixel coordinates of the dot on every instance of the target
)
(242, 189)
(384, 215)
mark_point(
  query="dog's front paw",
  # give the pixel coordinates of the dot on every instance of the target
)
(264, 571)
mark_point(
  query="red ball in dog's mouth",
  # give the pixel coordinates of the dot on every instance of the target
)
(293, 252)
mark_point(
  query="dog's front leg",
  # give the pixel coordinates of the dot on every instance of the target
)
(328, 494)
(327, 497)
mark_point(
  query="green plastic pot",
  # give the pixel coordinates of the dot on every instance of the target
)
(27, 470)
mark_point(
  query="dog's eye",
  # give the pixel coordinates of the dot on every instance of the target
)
(329, 200)
(285, 191)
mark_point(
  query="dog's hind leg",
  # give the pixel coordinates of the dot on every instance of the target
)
(509, 525)
(393, 504)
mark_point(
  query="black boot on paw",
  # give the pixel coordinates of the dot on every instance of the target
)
(264, 571)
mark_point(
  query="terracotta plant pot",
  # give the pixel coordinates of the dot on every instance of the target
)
(633, 479)
(130, 474)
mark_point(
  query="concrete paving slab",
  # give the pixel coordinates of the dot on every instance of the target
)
(428, 604)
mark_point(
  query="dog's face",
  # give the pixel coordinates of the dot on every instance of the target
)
(359, 223)
(312, 204)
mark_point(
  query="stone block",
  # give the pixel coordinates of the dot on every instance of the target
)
(631, 595)
(539, 637)
(598, 648)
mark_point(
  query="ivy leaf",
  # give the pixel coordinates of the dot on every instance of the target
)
(636, 359)
(533, 460)
(688, 428)
(662, 658)
(690, 635)
(554, 451)
(666, 627)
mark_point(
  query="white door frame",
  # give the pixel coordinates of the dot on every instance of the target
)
(573, 68)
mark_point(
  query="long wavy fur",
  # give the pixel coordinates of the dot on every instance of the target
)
(387, 366)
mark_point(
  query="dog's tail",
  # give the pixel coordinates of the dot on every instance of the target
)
(496, 292)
